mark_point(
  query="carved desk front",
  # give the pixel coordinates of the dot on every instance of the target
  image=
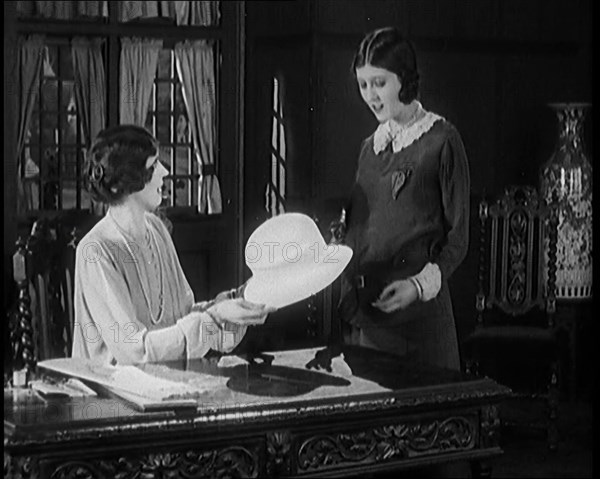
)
(371, 413)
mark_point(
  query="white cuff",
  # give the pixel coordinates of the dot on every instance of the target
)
(200, 333)
(430, 279)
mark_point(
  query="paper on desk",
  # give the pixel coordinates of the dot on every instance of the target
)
(72, 388)
(128, 379)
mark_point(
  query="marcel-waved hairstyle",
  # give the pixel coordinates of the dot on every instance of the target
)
(116, 163)
(388, 48)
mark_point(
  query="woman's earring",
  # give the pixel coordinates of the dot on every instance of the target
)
(97, 173)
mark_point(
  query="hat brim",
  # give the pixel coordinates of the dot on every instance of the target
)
(288, 286)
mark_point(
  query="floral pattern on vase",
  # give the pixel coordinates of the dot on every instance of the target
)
(567, 179)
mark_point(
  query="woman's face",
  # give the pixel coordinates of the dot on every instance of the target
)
(150, 197)
(379, 89)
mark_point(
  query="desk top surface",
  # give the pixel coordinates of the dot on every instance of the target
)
(254, 390)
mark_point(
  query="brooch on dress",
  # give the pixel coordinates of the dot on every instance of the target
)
(399, 178)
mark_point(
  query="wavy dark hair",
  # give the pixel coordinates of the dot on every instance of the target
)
(388, 48)
(116, 163)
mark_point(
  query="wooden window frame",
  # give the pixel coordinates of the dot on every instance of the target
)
(227, 35)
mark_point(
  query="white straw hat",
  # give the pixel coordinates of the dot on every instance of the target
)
(290, 261)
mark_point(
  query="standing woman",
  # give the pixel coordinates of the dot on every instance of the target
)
(132, 301)
(408, 216)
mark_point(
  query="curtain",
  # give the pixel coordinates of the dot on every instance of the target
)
(197, 13)
(139, 59)
(195, 67)
(130, 10)
(62, 10)
(30, 58)
(90, 85)
(184, 13)
(90, 92)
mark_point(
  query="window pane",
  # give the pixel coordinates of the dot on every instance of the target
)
(32, 193)
(65, 62)
(163, 128)
(50, 164)
(69, 194)
(182, 165)
(50, 192)
(68, 95)
(49, 129)
(164, 69)
(69, 163)
(163, 100)
(182, 192)
(182, 130)
(50, 95)
(167, 198)
(69, 130)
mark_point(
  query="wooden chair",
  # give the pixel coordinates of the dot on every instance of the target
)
(515, 339)
(41, 323)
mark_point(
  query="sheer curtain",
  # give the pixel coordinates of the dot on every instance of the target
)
(197, 13)
(130, 10)
(90, 85)
(139, 59)
(184, 13)
(62, 10)
(195, 67)
(30, 58)
(90, 91)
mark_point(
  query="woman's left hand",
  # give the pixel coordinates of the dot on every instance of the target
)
(396, 295)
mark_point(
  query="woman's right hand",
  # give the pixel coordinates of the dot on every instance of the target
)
(239, 311)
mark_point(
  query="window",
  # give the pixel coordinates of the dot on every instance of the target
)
(168, 120)
(53, 153)
(275, 194)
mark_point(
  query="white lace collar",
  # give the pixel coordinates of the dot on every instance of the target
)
(402, 136)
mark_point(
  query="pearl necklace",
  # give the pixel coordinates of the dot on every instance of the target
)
(149, 239)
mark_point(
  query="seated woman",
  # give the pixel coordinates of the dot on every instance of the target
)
(132, 301)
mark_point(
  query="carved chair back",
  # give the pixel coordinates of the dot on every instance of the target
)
(517, 260)
(41, 324)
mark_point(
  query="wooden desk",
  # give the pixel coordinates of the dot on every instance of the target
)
(372, 413)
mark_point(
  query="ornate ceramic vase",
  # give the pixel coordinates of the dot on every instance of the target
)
(567, 177)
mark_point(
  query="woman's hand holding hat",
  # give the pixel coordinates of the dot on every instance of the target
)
(239, 311)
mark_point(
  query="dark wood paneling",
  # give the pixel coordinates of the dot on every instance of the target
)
(476, 19)
(277, 19)
(344, 122)
(461, 87)
(431, 18)
(341, 17)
